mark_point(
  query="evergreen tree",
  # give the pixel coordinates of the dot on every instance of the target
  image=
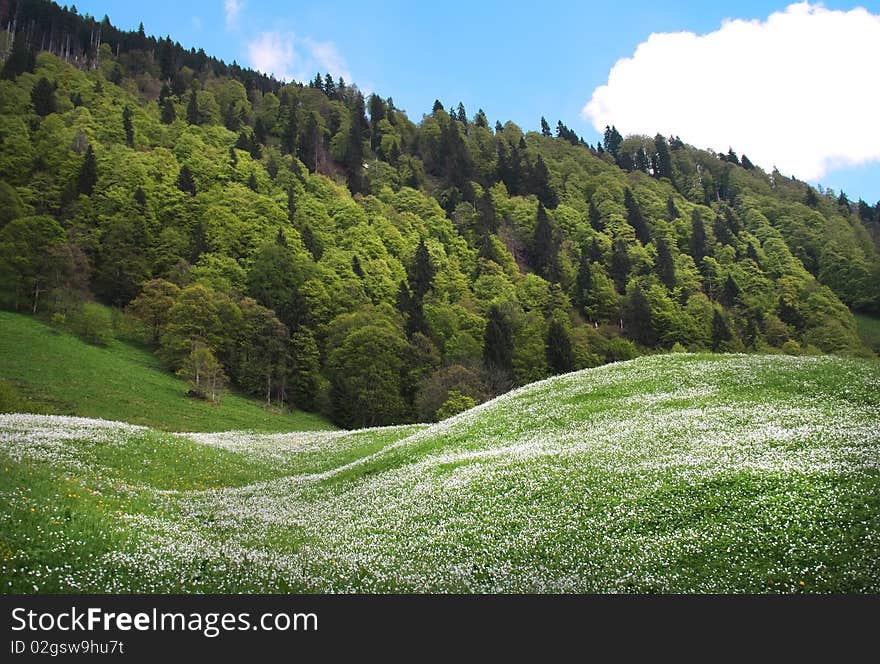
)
(637, 316)
(634, 217)
(671, 211)
(252, 182)
(746, 164)
(540, 184)
(498, 343)
(620, 265)
(546, 247)
(596, 222)
(185, 181)
(356, 266)
(169, 113)
(722, 233)
(699, 243)
(437, 106)
(545, 128)
(127, 126)
(612, 140)
(43, 97)
(662, 163)
(584, 279)
(480, 119)
(560, 357)
(810, 198)
(88, 173)
(665, 264)
(721, 335)
(193, 116)
(20, 60)
(421, 277)
(730, 293)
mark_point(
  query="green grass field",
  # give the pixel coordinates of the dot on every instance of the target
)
(669, 473)
(48, 371)
(869, 331)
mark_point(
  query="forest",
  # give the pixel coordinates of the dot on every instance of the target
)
(325, 252)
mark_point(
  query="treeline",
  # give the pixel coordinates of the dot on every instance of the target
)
(323, 251)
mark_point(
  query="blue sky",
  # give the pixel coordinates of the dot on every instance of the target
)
(520, 61)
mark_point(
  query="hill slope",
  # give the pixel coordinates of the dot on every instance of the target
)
(58, 373)
(664, 474)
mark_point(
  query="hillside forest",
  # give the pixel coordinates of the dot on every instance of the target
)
(324, 251)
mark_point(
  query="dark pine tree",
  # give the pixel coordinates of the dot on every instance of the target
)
(637, 316)
(596, 222)
(662, 162)
(620, 265)
(557, 346)
(421, 277)
(699, 243)
(665, 263)
(193, 116)
(546, 247)
(746, 164)
(612, 140)
(356, 266)
(635, 218)
(127, 126)
(43, 97)
(722, 232)
(730, 293)
(498, 343)
(185, 181)
(141, 199)
(671, 211)
(545, 127)
(169, 113)
(810, 198)
(540, 184)
(720, 332)
(584, 279)
(252, 182)
(88, 173)
(437, 106)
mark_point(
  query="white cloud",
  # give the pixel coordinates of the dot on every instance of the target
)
(272, 53)
(231, 8)
(287, 57)
(796, 91)
(328, 59)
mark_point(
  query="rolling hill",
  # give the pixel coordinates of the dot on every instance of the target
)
(48, 371)
(668, 473)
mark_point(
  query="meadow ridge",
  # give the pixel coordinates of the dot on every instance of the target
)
(668, 473)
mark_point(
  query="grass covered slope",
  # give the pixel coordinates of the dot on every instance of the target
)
(57, 373)
(670, 473)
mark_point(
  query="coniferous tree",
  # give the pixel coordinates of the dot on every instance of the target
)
(546, 247)
(88, 173)
(560, 357)
(662, 163)
(596, 222)
(612, 140)
(437, 106)
(498, 343)
(356, 266)
(584, 279)
(421, 278)
(169, 113)
(665, 263)
(43, 97)
(252, 182)
(746, 164)
(731, 291)
(480, 119)
(620, 265)
(185, 181)
(699, 243)
(541, 184)
(127, 126)
(720, 332)
(545, 127)
(638, 318)
(635, 218)
(193, 116)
